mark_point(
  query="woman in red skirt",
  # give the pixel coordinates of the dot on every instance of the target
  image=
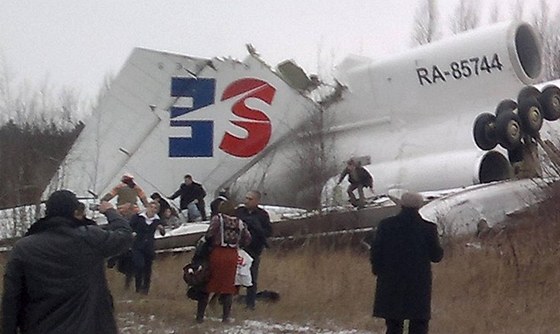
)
(226, 234)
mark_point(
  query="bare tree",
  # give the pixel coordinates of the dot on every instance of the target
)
(466, 16)
(549, 34)
(5, 90)
(425, 23)
(69, 101)
(104, 89)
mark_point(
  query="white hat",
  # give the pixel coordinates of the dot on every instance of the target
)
(404, 198)
(412, 200)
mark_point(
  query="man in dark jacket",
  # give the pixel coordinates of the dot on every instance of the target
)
(359, 178)
(401, 256)
(191, 191)
(54, 281)
(258, 224)
(143, 251)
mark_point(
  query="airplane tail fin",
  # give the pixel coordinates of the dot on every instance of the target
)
(168, 115)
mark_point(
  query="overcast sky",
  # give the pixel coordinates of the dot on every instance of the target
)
(75, 43)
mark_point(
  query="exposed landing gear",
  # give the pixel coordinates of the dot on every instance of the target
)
(515, 126)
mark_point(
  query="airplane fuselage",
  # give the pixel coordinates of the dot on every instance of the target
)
(241, 125)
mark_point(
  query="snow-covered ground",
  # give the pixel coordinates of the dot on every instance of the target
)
(131, 323)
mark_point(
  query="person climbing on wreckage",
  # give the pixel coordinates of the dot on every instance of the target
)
(359, 178)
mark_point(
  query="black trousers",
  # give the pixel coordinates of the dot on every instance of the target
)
(201, 206)
(143, 259)
(252, 290)
(225, 299)
(395, 326)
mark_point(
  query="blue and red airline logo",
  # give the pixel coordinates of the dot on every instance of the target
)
(201, 142)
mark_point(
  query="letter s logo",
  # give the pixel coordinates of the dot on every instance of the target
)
(258, 125)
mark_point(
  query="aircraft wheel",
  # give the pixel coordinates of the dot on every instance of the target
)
(528, 92)
(484, 131)
(507, 105)
(550, 102)
(529, 111)
(508, 130)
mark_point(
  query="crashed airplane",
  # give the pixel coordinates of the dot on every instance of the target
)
(413, 119)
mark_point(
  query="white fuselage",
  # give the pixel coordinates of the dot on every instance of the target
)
(238, 124)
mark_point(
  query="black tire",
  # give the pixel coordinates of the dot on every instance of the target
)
(484, 131)
(528, 92)
(508, 130)
(515, 155)
(530, 113)
(507, 105)
(550, 102)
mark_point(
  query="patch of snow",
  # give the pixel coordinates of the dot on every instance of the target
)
(131, 323)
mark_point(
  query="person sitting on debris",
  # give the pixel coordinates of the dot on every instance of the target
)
(172, 218)
(192, 194)
(127, 193)
(359, 178)
(163, 207)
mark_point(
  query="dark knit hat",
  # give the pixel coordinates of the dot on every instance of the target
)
(227, 208)
(62, 203)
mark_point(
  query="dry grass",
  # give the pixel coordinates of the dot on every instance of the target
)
(510, 285)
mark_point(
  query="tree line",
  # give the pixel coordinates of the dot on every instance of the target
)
(29, 156)
(430, 26)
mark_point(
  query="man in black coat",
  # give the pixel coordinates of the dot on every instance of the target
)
(189, 192)
(54, 281)
(258, 224)
(401, 256)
